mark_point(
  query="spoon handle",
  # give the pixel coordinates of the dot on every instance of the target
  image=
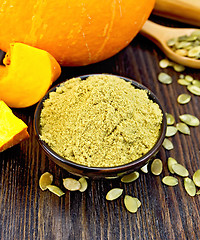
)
(187, 11)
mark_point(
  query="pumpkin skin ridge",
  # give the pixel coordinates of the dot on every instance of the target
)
(72, 31)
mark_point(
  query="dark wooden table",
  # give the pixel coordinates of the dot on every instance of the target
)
(26, 212)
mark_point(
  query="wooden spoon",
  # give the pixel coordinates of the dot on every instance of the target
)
(160, 34)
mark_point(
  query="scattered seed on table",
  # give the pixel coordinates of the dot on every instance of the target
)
(183, 82)
(71, 184)
(196, 178)
(83, 183)
(156, 167)
(171, 131)
(170, 181)
(180, 170)
(194, 89)
(164, 78)
(56, 190)
(170, 119)
(196, 83)
(164, 63)
(144, 169)
(189, 120)
(114, 194)
(45, 180)
(183, 98)
(189, 78)
(171, 161)
(183, 128)
(189, 186)
(130, 177)
(178, 68)
(131, 203)
(167, 144)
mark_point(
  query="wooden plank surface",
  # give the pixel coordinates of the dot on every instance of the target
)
(166, 212)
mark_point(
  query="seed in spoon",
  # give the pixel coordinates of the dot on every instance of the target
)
(45, 180)
(183, 98)
(171, 161)
(167, 144)
(183, 128)
(130, 177)
(71, 184)
(189, 120)
(114, 194)
(156, 167)
(132, 204)
(196, 178)
(170, 119)
(171, 131)
(164, 78)
(180, 170)
(170, 181)
(189, 186)
(56, 190)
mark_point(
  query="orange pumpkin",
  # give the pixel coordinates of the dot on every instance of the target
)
(75, 32)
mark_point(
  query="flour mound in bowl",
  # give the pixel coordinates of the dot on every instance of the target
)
(102, 121)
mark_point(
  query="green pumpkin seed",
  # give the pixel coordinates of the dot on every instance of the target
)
(144, 169)
(196, 178)
(171, 161)
(196, 83)
(183, 82)
(171, 42)
(196, 33)
(181, 76)
(170, 119)
(194, 51)
(181, 52)
(178, 68)
(131, 203)
(183, 98)
(71, 184)
(164, 63)
(194, 89)
(114, 194)
(156, 167)
(83, 183)
(183, 128)
(167, 144)
(170, 181)
(45, 180)
(130, 177)
(164, 78)
(56, 190)
(198, 192)
(189, 120)
(189, 186)
(189, 78)
(171, 131)
(180, 170)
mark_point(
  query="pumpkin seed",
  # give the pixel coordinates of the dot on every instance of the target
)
(183, 128)
(171, 131)
(171, 161)
(164, 63)
(131, 203)
(170, 119)
(56, 190)
(164, 78)
(170, 181)
(130, 177)
(194, 89)
(195, 51)
(144, 169)
(189, 120)
(71, 184)
(171, 42)
(183, 98)
(189, 78)
(196, 83)
(114, 194)
(196, 33)
(178, 68)
(183, 82)
(189, 186)
(181, 76)
(196, 178)
(180, 170)
(156, 167)
(45, 180)
(83, 183)
(198, 192)
(181, 52)
(167, 144)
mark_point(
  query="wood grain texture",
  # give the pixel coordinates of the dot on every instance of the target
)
(26, 212)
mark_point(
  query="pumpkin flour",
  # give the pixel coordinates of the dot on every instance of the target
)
(102, 121)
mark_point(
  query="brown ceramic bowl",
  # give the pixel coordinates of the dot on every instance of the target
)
(100, 172)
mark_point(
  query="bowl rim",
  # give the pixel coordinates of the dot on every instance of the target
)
(121, 168)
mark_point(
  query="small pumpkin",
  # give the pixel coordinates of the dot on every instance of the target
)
(75, 32)
(12, 129)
